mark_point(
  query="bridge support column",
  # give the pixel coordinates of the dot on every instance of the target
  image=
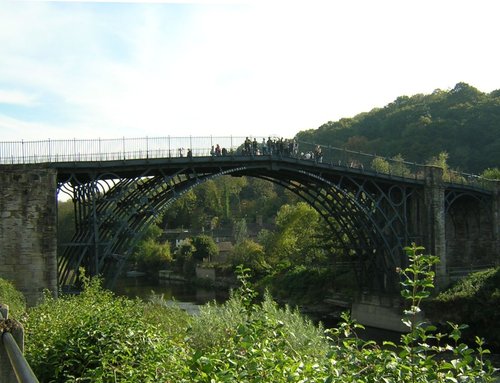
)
(28, 228)
(496, 221)
(434, 220)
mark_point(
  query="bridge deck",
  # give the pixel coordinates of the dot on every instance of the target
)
(133, 155)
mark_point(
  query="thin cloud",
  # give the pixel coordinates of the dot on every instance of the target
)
(170, 68)
(15, 97)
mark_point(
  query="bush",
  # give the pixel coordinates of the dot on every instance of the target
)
(251, 255)
(300, 284)
(13, 298)
(474, 300)
(152, 256)
(98, 337)
(205, 248)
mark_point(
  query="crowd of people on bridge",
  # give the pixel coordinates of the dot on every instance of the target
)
(271, 146)
(286, 147)
(218, 151)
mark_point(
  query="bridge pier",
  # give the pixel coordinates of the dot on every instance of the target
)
(28, 228)
(496, 221)
(434, 219)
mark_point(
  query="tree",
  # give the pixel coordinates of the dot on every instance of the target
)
(181, 211)
(184, 260)
(251, 255)
(398, 167)
(491, 173)
(440, 161)
(65, 221)
(152, 256)
(296, 238)
(240, 230)
(204, 248)
(380, 165)
(151, 253)
(462, 121)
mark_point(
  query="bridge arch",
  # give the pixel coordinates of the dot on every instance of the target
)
(112, 210)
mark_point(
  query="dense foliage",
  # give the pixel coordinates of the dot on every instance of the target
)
(152, 253)
(222, 202)
(13, 298)
(96, 337)
(463, 121)
(474, 300)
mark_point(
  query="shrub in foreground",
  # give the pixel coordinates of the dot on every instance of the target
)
(13, 298)
(96, 337)
(474, 299)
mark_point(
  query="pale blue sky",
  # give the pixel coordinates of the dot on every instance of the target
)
(95, 69)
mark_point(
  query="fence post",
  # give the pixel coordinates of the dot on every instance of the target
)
(6, 371)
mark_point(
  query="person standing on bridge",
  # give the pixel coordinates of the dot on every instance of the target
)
(269, 145)
(247, 146)
(318, 154)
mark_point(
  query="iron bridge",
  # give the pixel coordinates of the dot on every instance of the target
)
(374, 206)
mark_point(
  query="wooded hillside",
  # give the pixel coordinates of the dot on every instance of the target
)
(463, 121)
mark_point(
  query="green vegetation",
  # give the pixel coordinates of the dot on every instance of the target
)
(462, 122)
(13, 298)
(491, 173)
(97, 337)
(223, 202)
(205, 248)
(152, 254)
(474, 300)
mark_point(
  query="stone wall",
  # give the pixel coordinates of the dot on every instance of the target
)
(434, 220)
(470, 234)
(28, 228)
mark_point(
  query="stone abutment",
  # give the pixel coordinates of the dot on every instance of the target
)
(28, 229)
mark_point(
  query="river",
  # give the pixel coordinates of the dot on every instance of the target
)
(186, 296)
(189, 298)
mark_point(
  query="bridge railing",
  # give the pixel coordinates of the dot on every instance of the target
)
(362, 161)
(77, 150)
(356, 160)
(13, 365)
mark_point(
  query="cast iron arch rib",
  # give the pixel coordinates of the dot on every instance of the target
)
(113, 211)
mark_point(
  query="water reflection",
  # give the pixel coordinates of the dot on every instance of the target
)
(184, 295)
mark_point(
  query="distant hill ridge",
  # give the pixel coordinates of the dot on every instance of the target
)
(463, 121)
